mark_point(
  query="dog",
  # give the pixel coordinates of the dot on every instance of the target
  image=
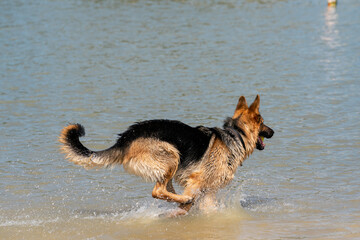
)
(200, 159)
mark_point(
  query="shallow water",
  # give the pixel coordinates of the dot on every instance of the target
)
(107, 64)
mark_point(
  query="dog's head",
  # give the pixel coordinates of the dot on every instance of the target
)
(250, 121)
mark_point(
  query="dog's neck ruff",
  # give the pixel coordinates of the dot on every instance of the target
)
(230, 126)
(236, 134)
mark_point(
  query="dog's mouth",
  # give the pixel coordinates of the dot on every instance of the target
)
(267, 133)
(260, 145)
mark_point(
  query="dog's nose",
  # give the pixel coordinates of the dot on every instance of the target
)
(271, 133)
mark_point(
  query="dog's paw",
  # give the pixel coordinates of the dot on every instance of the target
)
(187, 200)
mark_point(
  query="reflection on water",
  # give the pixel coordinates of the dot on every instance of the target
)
(331, 33)
(107, 64)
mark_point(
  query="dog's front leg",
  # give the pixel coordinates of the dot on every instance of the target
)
(183, 209)
(193, 191)
(180, 211)
(208, 202)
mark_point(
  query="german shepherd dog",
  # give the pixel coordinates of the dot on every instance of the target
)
(200, 159)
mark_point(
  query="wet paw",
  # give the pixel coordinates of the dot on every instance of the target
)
(187, 200)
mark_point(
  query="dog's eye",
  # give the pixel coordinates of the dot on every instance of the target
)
(261, 120)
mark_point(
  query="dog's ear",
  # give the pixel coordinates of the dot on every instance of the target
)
(255, 105)
(241, 106)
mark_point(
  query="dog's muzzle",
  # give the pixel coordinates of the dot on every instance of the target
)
(266, 132)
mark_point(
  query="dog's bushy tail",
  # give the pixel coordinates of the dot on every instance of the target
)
(77, 153)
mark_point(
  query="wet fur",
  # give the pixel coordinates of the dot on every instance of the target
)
(200, 159)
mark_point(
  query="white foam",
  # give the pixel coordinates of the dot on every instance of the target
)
(30, 222)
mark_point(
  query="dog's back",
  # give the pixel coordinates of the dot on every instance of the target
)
(189, 141)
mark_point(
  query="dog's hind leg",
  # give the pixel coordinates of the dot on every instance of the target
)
(157, 161)
(160, 192)
(164, 190)
(170, 187)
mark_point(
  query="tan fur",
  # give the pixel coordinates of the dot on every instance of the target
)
(211, 173)
(111, 158)
(251, 130)
(247, 121)
(70, 154)
(155, 161)
(151, 159)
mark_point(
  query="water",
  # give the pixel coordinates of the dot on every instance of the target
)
(107, 64)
